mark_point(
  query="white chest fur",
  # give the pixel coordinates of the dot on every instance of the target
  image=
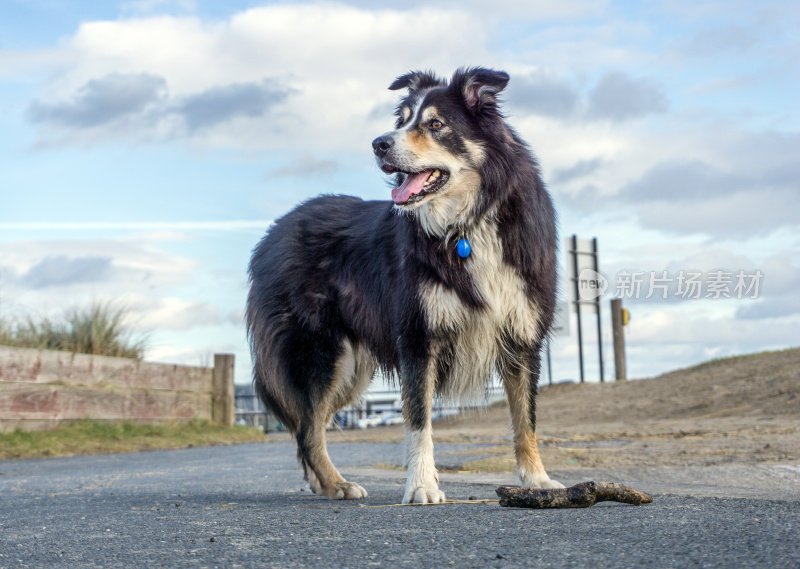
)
(478, 334)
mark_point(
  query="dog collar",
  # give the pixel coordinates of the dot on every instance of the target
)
(463, 248)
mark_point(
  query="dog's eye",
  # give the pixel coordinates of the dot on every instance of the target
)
(436, 124)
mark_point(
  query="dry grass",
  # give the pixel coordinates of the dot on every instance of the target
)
(94, 437)
(99, 329)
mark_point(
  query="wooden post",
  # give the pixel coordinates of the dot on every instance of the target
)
(619, 339)
(222, 394)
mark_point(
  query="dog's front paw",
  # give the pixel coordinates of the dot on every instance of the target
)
(539, 481)
(423, 495)
(344, 491)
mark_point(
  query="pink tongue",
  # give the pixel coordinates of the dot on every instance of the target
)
(412, 185)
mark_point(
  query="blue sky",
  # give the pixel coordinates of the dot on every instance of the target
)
(146, 145)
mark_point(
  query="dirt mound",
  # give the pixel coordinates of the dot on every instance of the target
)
(741, 409)
(761, 385)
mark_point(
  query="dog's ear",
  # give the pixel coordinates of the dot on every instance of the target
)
(416, 81)
(479, 87)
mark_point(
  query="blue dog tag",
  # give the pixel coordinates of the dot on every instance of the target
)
(463, 248)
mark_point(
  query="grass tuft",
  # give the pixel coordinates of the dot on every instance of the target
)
(99, 329)
(96, 437)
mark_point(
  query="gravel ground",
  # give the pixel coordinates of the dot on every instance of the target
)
(246, 506)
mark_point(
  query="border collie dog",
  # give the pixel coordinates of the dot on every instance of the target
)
(452, 280)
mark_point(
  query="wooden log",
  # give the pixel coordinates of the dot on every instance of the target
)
(581, 495)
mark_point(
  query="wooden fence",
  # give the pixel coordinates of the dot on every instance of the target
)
(40, 389)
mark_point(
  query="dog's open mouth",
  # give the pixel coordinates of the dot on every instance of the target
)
(417, 185)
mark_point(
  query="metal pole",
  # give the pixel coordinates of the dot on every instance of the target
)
(597, 306)
(577, 300)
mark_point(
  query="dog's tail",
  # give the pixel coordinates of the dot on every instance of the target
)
(269, 375)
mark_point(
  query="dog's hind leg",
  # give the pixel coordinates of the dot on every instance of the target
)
(322, 474)
(352, 372)
(521, 386)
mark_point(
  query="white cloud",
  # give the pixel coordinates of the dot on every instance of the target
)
(170, 313)
(513, 10)
(143, 7)
(126, 256)
(82, 270)
(581, 169)
(780, 284)
(200, 356)
(543, 92)
(327, 65)
(738, 214)
(219, 104)
(669, 327)
(101, 101)
(618, 97)
(121, 105)
(728, 39)
(713, 179)
(63, 271)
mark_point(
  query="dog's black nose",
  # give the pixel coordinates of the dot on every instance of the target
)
(382, 145)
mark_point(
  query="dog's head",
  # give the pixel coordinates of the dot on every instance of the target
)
(439, 143)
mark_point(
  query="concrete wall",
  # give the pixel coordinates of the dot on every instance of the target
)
(41, 388)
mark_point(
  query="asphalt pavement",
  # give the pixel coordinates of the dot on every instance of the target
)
(247, 506)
